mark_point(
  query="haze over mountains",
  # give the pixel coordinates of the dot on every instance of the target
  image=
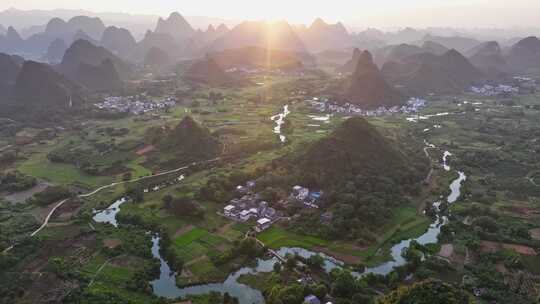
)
(384, 68)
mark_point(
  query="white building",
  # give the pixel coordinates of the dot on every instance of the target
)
(300, 193)
(263, 224)
(245, 215)
(229, 210)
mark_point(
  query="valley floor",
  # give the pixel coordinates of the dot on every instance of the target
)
(492, 231)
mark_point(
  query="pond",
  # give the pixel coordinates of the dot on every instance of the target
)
(109, 215)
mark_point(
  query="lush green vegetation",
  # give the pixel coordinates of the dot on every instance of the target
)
(371, 172)
(427, 292)
(14, 181)
(51, 195)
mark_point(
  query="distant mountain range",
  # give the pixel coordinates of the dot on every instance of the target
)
(257, 57)
(488, 57)
(525, 55)
(367, 87)
(156, 57)
(182, 40)
(95, 67)
(42, 94)
(274, 36)
(321, 36)
(176, 26)
(425, 73)
(207, 72)
(30, 22)
(119, 41)
(9, 68)
(97, 57)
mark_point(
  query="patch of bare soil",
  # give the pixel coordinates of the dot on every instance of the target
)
(47, 288)
(521, 211)
(521, 249)
(112, 243)
(197, 260)
(501, 268)
(67, 210)
(492, 247)
(489, 247)
(347, 259)
(186, 273)
(447, 250)
(126, 261)
(67, 248)
(183, 230)
(144, 150)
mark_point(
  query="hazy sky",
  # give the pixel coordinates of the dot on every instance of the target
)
(456, 13)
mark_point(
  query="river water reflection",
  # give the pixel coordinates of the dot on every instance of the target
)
(165, 285)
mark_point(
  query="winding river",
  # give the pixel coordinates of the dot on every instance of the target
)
(165, 286)
(279, 119)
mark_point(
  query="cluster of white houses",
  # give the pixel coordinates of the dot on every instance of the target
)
(518, 85)
(302, 195)
(524, 83)
(250, 206)
(324, 105)
(137, 105)
(495, 90)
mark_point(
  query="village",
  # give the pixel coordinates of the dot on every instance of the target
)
(495, 90)
(136, 105)
(518, 85)
(325, 105)
(250, 206)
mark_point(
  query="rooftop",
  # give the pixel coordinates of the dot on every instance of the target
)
(263, 221)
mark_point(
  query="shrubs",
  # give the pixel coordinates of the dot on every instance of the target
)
(246, 248)
(487, 223)
(183, 206)
(15, 181)
(427, 292)
(50, 195)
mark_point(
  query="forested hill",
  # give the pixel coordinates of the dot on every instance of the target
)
(357, 149)
(188, 141)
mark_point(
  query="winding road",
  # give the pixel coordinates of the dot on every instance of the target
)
(59, 204)
(46, 221)
(5, 148)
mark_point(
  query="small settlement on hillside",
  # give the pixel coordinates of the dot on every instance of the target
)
(137, 105)
(324, 105)
(250, 206)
